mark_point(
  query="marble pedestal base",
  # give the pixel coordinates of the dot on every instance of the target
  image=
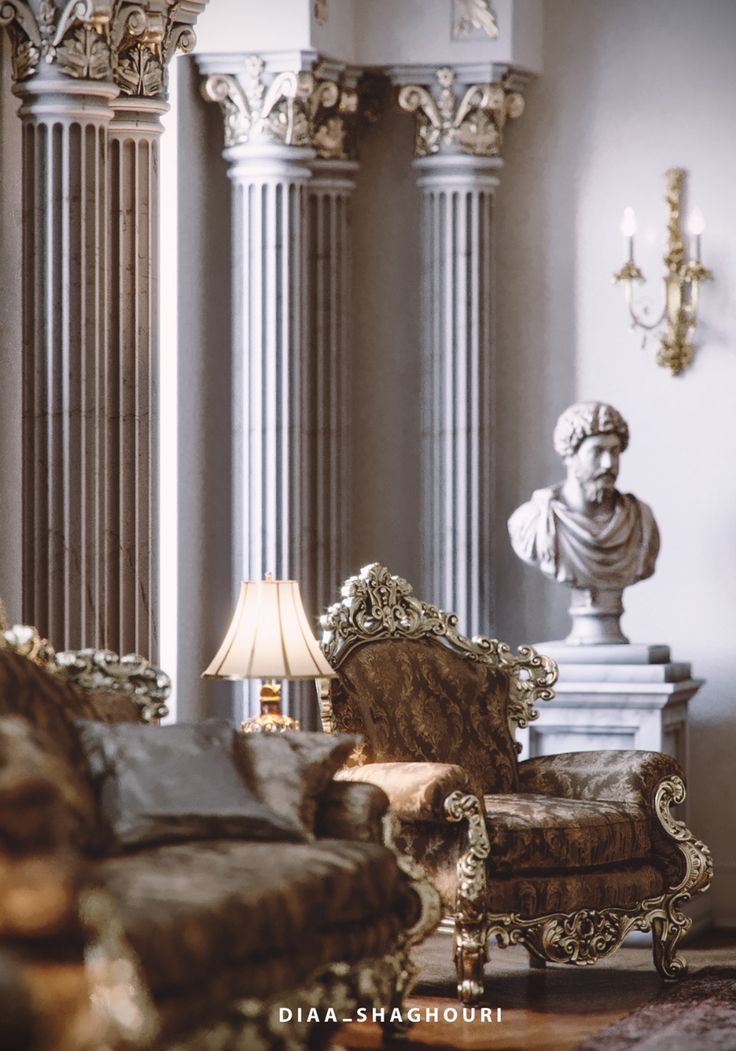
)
(627, 696)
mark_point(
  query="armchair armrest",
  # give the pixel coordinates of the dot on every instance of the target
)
(354, 811)
(624, 776)
(416, 791)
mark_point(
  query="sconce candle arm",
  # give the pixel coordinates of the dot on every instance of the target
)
(681, 284)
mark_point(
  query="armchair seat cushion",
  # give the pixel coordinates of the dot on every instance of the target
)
(538, 833)
(187, 908)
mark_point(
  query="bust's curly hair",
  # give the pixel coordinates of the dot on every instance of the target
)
(584, 419)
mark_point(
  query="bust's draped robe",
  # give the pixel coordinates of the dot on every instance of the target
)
(582, 550)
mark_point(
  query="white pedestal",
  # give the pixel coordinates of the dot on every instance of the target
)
(628, 696)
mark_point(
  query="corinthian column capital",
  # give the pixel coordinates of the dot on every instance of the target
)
(452, 116)
(297, 107)
(130, 43)
(71, 37)
(143, 39)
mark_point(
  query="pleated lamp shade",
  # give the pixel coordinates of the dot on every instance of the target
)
(269, 637)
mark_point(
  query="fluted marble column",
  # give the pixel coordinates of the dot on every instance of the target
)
(329, 376)
(64, 349)
(92, 80)
(458, 144)
(285, 145)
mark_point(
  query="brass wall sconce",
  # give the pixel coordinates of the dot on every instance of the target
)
(676, 324)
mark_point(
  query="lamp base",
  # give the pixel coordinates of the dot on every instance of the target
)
(271, 719)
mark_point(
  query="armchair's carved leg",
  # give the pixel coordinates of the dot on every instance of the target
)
(470, 940)
(665, 939)
(470, 947)
(537, 963)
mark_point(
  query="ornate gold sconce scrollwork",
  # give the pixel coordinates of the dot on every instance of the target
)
(676, 324)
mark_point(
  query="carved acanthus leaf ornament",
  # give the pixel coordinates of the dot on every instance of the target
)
(72, 37)
(294, 109)
(98, 40)
(472, 124)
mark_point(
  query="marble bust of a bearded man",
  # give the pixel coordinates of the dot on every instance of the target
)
(583, 532)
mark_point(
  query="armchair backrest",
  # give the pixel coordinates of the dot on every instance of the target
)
(418, 690)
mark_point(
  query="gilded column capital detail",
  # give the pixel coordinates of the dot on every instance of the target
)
(100, 40)
(256, 113)
(299, 108)
(471, 123)
(72, 38)
(143, 40)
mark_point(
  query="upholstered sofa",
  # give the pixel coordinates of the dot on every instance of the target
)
(563, 854)
(187, 944)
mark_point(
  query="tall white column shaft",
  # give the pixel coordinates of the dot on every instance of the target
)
(65, 321)
(131, 418)
(329, 374)
(272, 437)
(459, 128)
(291, 290)
(457, 482)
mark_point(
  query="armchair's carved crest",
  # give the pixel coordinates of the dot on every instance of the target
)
(97, 670)
(378, 605)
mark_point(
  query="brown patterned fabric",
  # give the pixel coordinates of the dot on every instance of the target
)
(415, 699)
(534, 894)
(416, 791)
(351, 811)
(181, 1011)
(32, 815)
(189, 909)
(51, 705)
(623, 775)
(535, 832)
(289, 772)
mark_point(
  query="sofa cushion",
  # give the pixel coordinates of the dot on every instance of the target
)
(166, 783)
(545, 833)
(291, 771)
(190, 909)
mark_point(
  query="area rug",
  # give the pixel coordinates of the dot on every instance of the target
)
(698, 1014)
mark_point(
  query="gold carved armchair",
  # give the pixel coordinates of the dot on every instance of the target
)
(563, 854)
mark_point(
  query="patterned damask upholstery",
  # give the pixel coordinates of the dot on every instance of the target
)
(414, 699)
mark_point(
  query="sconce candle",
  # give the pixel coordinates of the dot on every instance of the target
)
(628, 229)
(695, 227)
(682, 278)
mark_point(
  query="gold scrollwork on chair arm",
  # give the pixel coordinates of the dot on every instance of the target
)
(376, 604)
(471, 866)
(698, 869)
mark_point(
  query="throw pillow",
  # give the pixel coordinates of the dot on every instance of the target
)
(290, 771)
(161, 784)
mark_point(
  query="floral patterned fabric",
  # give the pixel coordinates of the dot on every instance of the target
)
(417, 791)
(415, 699)
(535, 832)
(191, 908)
(615, 774)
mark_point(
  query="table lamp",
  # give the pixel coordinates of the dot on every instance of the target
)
(269, 638)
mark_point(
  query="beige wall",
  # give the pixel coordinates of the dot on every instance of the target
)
(630, 89)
